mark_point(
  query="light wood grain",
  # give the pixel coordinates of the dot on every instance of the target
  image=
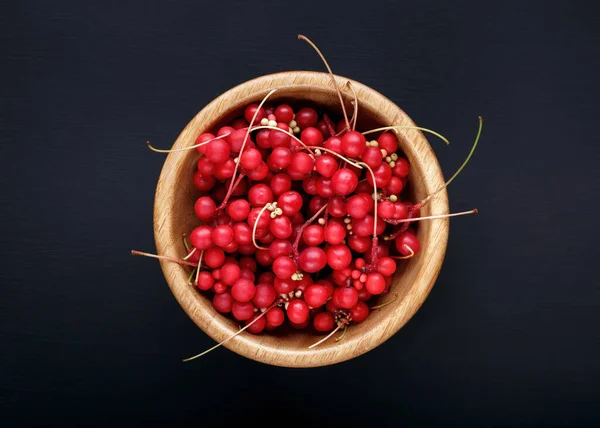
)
(174, 215)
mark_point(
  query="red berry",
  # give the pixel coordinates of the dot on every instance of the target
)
(243, 290)
(222, 235)
(388, 142)
(259, 195)
(311, 136)
(372, 157)
(313, 235)
(238, 210)
(346, 297)
(402, 168)
(405, 240)
(217, 151)
(225, 170)
(324, 322)
(297, 311)
(264, 296)
(306, 117)
(383, 175)
(284, 267)
(281, 227)
(344, 181)
(290, 203)
(201, 237)
(354, 144)
(334, 233)
(278, 138)
(214, 257)
(339, 257)
(375, 283)
(336, 207)
(334, 144)
(250, 159)
(257, 324)
(223, 302)
(280, 247)
(242, 311)
(326, 165)
(205, 208)
(275, 317)
(251, 111)
(204, 183)
(284, 113)
(386, 266)
(280, 183)
(280, 158)
(205, 281)
(316, 295)
(359, 312)
(312, 259)
(203, 138)
(236, 140)
(301, 163)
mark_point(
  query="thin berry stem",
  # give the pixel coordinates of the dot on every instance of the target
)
(199, 267)
(355, 114)
(168, 259)
(275, 303)
(335, 85)
(357, 165)
(410, 256)
(190, 254)
(301, 229)
(329, 124)
(391, 301)
(246, 138)
(388, 128)
(154, 149)
(185, 243)
(229, 193)
(256, 224)
(340, 325)
(432, 217)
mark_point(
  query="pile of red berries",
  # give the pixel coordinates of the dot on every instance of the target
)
(300, 219)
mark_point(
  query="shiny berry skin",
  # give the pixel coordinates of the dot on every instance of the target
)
(306, 117)
(359, 206)
(242, 311)
(407, 239)
(375, 283)
(243, 290)
(388, 142)
(316, 295)
(280, 247)
(359, 312)
(203, 138)
(284, 267)
(311, 136)
(334, 144)
(402, 168)
(250, 111)
(336, 207)
(280, 158)
(297, 311)
(222, 235)
(259, 195)
(204, 183)
(236, 140)
(334, 233)
(386, 209)
(324, 322)
(223, 302)
(383, 175)
(301, 163)
(354, 144)
(278, 138)
(280, 183)
(264, 296)
(290, 202)
(238, 210)
(275, 317)
(346, 297)
(205, 281)
(214, 257)
(313, 235)
(217, 151)
(344, 181)
(386, 266)
(230, 273)
(205, 208)
(359, 244)
(250, 159)
(339, 257)
(284, 113)
(326, 165)
(201, 237)
(372, 157)
(284, 286)
(281, 227)
(312, 259)
(225, 170)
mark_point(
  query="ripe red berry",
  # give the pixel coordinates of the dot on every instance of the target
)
(313, 235)
(275, 317)
(284, 267)
(306, 117)
(243, 290)
(326, 165)
(388, 142)
(311, 136)
(354, 144)
(214, 257)
(203, 138)
(346, 297)
(222, 235)
(324, 322)
(217, 151)
(386, 266)
(251, 159)
(201, 237)
(316, 295)
(205, 208)
(230, 273)
(281, 227)
(259, 195)
(290, 202)
(284, 113)
(375, 283)
(205, 281)
(278, 138)
(372, 156)
(257, 325)
(409, 240)
(223, 302)
(312, 259)
(251, 111)
(280, 183)
(402, 168)
(264, 296)
(359, 312)
(344, 181)
(297, 311)
(242, 311)
(334, 233)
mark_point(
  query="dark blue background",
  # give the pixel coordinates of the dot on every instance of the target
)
(90, 335)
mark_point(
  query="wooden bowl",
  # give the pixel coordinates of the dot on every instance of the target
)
(174, 216)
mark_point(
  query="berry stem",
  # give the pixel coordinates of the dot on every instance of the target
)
(410, 256)
(458, 171)
(228, 195)
(432, 217)
(343, 333)
(185, 243)
(307, 40)
(340, 325)
(329, 124)
(168, 259)
(355, 114)
(154, 149)
(391, 301)
(246, 138)
(275, 303)
(256, 224)
(388, 128)
(301, 229)
(190, 254)
(199, 267)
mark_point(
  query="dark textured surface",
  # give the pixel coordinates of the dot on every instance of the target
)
(90, 335)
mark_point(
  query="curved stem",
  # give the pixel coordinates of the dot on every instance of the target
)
(410, 256)
(190, 254)
(388, 128)
(386, 303)
(168, 259)
(199, 267)
(185, 243)
(355, 114)
(307, 40)
(301, 229)
(340, 325)
(228, 195)
(256, 224)
(246, 138)
(185, 148)
(276, 302)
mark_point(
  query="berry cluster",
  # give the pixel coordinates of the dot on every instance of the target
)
(292, 212)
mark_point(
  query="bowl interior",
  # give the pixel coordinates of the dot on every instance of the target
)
(174, 216)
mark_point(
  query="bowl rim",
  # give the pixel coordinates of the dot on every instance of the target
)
(249, 345)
